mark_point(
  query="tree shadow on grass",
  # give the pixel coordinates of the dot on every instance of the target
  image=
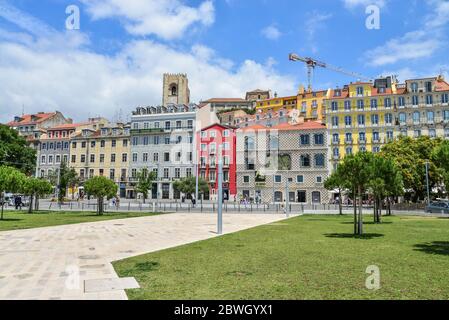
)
(435, 247)
(368, 222)
(6, 220)
(366, 236)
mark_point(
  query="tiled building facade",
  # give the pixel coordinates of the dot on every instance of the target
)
(271, 159)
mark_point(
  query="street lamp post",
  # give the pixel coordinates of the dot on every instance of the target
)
(220, 191)
(427, 182)
(287, 198)
(196, 144)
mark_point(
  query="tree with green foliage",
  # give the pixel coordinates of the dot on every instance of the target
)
(15, 152)
(101, 187)
(410, 156)
(336, 181)
(29, 187)
(72, 180)
(11, 180)
(188, 186)
(35, 188)
(43, 188)
(67, 177)
(145, 182)
(440, 156)
(385, 181)
(355, 170)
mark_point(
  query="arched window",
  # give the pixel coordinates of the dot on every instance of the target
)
(174, 89)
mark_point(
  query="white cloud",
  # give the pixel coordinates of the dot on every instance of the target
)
(81, 83)
(167, 19)
(53, 72)
(413, 45)
(422, 43)
(364, 3)
(271, 32)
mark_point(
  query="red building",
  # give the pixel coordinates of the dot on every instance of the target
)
(210, 140)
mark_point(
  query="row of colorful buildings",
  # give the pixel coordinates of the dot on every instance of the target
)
(272, 148)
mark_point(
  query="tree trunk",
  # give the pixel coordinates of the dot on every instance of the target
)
(3, 204)
(100, 206)
(360, 211)
(375, 210)
(340, 203)
(354, 203)
(389, 206)
(30, 207)
(379, 217)
(36, 203)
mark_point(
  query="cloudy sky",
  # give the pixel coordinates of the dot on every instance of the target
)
(116, 59)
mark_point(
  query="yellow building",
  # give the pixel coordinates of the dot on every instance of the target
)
(312, 104)
(361, 117)
(103, 152)
(277, 103)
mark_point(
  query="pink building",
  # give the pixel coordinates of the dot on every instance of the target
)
(210, 140)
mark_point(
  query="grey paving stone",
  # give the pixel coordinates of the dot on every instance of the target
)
(111, 284)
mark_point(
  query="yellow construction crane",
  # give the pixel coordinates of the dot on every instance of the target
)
(312, 63)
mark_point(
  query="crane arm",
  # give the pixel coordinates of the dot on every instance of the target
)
(313, 63)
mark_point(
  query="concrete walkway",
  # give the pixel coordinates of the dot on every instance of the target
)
(54, 262)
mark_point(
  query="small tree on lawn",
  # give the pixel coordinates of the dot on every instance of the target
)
(29, 188)
(145, 182)
(101, 187)
(71, 180)
(337, 181)
(10, 180)
(43, 188)
(188, 185)
(356, 170)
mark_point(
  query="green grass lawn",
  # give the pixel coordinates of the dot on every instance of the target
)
(14, 220)
(309, 257)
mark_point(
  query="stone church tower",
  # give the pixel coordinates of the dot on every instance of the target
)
(176, 89)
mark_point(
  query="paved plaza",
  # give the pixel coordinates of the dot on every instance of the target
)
(74, 261)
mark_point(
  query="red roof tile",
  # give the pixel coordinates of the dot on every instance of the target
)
(27, 119)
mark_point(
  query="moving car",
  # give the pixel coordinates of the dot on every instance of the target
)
(438, 207)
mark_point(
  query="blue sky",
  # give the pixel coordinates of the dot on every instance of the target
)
(116, 60)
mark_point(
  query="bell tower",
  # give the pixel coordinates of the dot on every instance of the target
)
(175, 89)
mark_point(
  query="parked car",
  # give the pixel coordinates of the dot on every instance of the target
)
(438, 207)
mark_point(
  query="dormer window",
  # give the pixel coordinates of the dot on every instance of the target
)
(337, 93)
(104, 132)
(360, 91)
